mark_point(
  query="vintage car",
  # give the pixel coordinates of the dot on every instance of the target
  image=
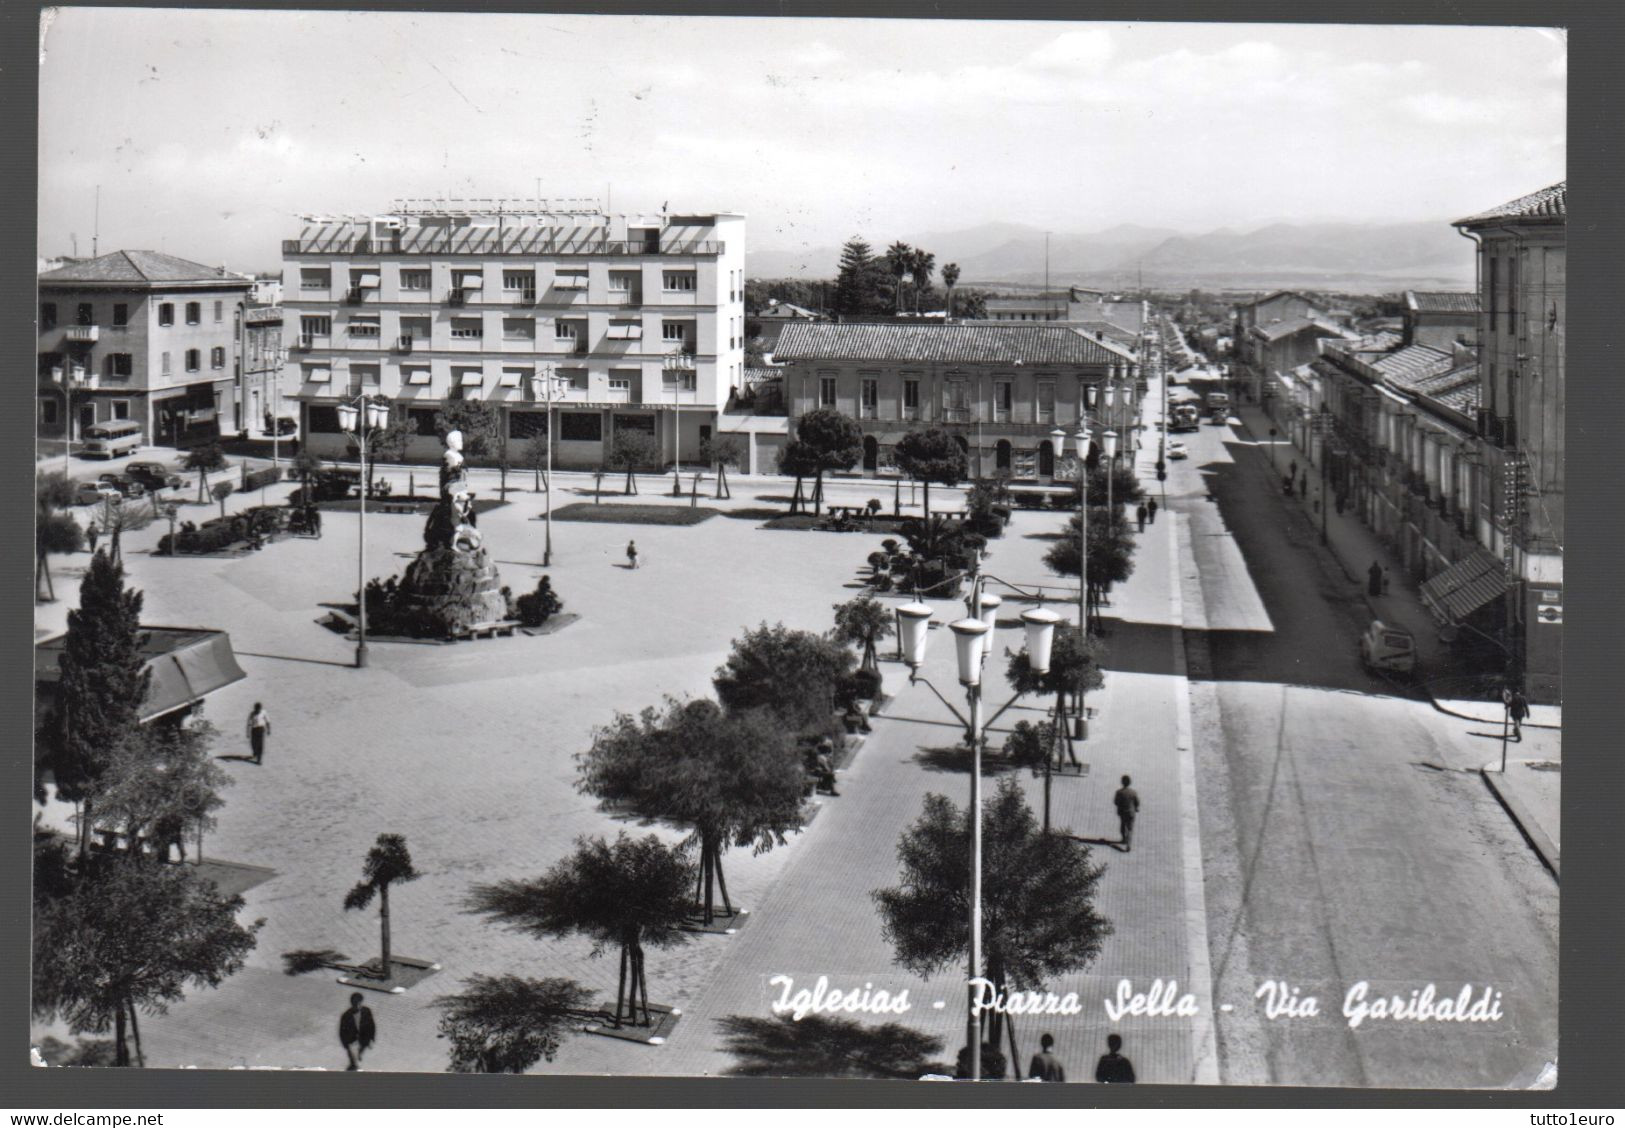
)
(1387, 647)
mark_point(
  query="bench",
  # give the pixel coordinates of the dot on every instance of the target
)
(504, 628)
(397, 506)
(855, 512)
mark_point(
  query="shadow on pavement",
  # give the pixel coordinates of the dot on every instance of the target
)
(819, 1046)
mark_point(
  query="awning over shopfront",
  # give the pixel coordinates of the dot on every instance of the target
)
(1464, 587)
(187, 665)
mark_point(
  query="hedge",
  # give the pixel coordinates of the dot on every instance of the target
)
(259, 478)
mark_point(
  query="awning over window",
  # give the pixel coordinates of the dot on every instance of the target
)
(625, 331)
(471, 377)
(472, 282)
(318, 375)
(1464, 587)
(418, 375)
(367, 282)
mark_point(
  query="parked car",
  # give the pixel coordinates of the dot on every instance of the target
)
(287, 425)
(154, 475)
(124, 484)
(94, 493)
(1387, 647)
(1177, 450)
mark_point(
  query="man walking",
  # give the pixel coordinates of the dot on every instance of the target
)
(259, 727)
(1127, 801)
(91, 533)
(1139, 515)
(1373, 585)
(1518, 709)
(631, 554)
(1151, 511)
(1114, 1068)
(357, 1031)
(1045, 1065)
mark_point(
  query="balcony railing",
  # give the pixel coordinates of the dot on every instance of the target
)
(403, 344)
(523, 297)
(456, 297)
(487, 240)
(83, 334)
(956, 415)
(355, 295)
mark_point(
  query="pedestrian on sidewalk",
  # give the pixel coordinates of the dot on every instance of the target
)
(1045, 1065)
(259, 727)
(1127, 802)
(1151, 511)
(357, 1031)
(631, 554)
(1374, 582)
(1114, 1068)
(1342, 503)
(1139, 515)
(1292, 470)
(91, 533)
(1518, 709)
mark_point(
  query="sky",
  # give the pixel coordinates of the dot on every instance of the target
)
(211, 132)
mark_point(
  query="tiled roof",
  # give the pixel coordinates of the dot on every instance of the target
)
(1548, 203)
(1442, 301)
(1024, 343)
(1464, 398)
(1465, 586)
(1276, 330)
(1025, 303)
(1406, 368)
(138, 268)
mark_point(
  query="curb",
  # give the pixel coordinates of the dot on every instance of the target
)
(1543, 846)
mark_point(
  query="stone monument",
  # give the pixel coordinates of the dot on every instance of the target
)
(452, 585)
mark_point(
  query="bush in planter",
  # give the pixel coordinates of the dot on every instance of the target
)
(891, 546)
(258, 478)
(878, 561)
(861, 685)
(536, 607)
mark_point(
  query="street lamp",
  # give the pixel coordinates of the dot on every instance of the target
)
(1081, 443)
(551, 380)
(971, 639)
(361, 417)
(677, 363)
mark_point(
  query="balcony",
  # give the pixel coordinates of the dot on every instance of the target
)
(355, 295)
(83, 334)
(457, 297)
(404, 344)
(535, 241)
(629, 298)
(523, 297)
(956, 415)
(303, 344)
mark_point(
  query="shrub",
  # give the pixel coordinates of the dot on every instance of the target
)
(258, 478)
(536, 607)
(862, 685)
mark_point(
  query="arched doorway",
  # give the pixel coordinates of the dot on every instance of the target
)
(1001, 455)
(871, 453)
(1046, 459)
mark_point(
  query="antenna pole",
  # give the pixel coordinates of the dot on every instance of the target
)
(96, 229)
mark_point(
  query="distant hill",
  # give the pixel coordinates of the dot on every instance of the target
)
(1357, 256)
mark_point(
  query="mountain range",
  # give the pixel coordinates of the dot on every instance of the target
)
(1358, 255)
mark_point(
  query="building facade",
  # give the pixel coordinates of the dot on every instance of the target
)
(138, 335)
(1521, 331)
(1000, 390)
(640, 322)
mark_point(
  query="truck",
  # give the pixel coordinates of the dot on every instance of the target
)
(1218, 406)
(1184, 417)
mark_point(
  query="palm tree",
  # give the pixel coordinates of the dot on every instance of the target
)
(900, 258)
(387, 862)
(921, 264)
(950, 279)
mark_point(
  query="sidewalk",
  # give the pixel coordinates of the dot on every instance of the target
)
(1531, 795)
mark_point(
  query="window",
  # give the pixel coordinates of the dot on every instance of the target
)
(315, 279)
(219, 312)
(911, 399)
(675, 332)
(322, 419)
(47, 315)
(571, 280)
(414, 329)
(422, 419)
(1046, 401)
(166, 313)
(121, 314)
(121, 409)
(363, 326)
(679, 281)
(518, 328)
(577, 378)
(163, 362)
(414, 280)
(1003, 394)
(365, 375)
(417, 374)
(120, 364)
(86, 314)
(620, 384)
(467, 328)
(315, 325)
(514, 377)
(521, 283)
(871, 397)
(217, 357)
(194, 313)
(1495, 290)
(580, 427)
(48, 412)
(194, 360)
(1512, 293)
(527, 425)
(826, 391)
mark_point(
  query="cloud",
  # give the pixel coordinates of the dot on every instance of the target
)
(817, 54)
(1087, 50)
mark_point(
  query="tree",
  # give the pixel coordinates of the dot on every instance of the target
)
(798, 458)
(722, 451)
(504, 1024)
(163, 783)
(628, 895)
(1038, 893)
(387, 862)
(203, 459)
(128, 938)
(307, 467)
(921, 263)
(1035, 747)
(536, 458)
(481, 424)
(103, 681)
(1126, 488)
(221, 491)
(950, 279)
(833, 442)
(632, 451)
(54, 531)
(900, 261)
(1075, 667)
(1111, 551)
(931, 456)
(794, 675)
(856, 291)
(823, 1046)
(863, 622)
(729, 778)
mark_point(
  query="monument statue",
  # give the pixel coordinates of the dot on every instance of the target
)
(452, 585)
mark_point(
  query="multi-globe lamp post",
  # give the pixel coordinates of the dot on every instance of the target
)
(1080, 445)
(361, 417)
(972, 638)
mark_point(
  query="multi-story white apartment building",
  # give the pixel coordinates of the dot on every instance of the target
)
(640, 319)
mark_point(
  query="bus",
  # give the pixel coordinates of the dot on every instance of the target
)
(1218, 406)
(114, 438)
(1184, 417)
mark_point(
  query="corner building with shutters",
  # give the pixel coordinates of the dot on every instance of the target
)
(640, 319)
